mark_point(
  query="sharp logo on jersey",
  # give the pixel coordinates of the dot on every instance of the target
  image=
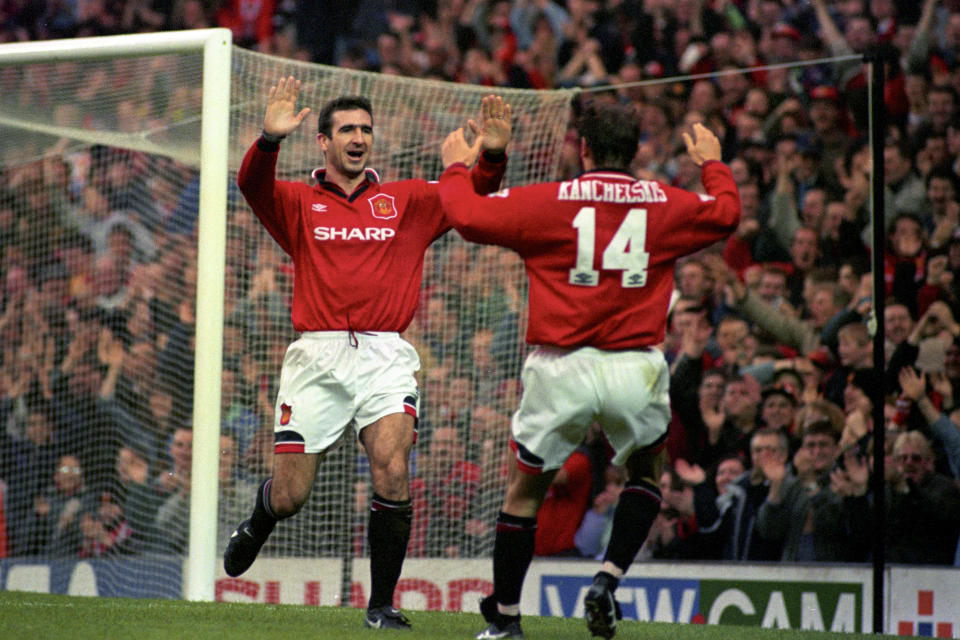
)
(353, 233)
(286, 412)
(319, 207)
(382, 206)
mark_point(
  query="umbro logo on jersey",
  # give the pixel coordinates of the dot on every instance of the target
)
(319, 207)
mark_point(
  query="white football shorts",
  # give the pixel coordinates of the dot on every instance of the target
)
(565, 391)
(331, 380)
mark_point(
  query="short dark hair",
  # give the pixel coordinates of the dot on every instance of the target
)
(821, 428)
(343, 103)
(716, 371)
(858, 263)
(612, 134)
(943, 172)
(944, 89)
(903, 147)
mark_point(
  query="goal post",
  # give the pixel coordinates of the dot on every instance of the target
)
(216, 47)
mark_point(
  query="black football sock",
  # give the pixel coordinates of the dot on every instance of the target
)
(388, 534)
(636, 510)
(263, 519)
(512, 553)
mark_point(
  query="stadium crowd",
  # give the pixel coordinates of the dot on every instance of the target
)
(769, 345)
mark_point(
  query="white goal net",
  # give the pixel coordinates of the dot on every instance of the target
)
(99, 193)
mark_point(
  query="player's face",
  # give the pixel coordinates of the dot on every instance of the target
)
(348, 148)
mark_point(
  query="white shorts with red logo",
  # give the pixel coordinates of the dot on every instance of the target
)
(565, 391)
(331, 380)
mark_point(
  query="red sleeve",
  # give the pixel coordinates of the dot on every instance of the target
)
(702, 220)
(579, 474)
(264, 25)
(487, 175)
(487, 220)
(258, 184)
(927, 295)
(737, 254)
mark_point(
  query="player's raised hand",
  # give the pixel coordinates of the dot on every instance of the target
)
(280, 118)
(705, 147)
(495, 128)
(455, 149)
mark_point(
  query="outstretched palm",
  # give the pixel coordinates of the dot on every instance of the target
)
(280, 118)
(495, 124)
(705, 146)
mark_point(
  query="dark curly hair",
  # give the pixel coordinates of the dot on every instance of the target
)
(612, 134)
(343, 103)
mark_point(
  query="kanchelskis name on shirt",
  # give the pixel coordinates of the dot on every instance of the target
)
(600, 191)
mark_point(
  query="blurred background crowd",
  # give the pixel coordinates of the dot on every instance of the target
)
(768, 339)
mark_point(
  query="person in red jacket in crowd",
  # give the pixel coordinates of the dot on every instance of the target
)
(563, 507)
(250, 21)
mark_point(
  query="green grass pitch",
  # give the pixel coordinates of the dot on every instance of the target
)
(38, 616)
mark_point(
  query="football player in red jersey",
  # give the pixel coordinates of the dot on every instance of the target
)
(357, 247)
(599, 252)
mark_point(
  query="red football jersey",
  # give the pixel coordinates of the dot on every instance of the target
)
(358, 258)
(599, 250)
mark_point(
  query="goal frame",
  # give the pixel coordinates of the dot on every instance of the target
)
(216, 46)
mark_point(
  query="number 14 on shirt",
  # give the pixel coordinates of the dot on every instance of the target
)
(626, 251)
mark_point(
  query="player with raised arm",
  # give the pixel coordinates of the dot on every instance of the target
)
(599, 252)
(357, 247)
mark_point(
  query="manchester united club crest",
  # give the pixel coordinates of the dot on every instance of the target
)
(382, 206)
(286, 412)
